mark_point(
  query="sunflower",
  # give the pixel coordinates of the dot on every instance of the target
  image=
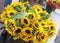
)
(12, 23)
(26, 2)
(37, 25)
(44, 20)
(52, 26)
(46, 29)
(10, 26)
(8, 29)
(27, 34)
(27, 38)
(38, 17)
(58, 2)
(51, 34)
(41, 37)
(37, 8)
(17, 4)
(23, 9)
(27, 5)
(31, 17)
(25, 21)
(27, 31)
(42, 13)
(46, 12)
(43, 24)
(4, 16)
(9, 8)
(17, 33)
(11, 12)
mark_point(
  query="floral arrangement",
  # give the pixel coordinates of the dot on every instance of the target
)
(28, 22)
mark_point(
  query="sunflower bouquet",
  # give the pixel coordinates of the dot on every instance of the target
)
(27, 22)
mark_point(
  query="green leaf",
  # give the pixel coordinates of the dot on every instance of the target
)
(22, 25)
(30, 16)
(10, 29)
(27, 7)
(17, 23)
(5, 16)
(8, 24)
(18, 8)
(34, 32)
(19, 15)
(47, 16)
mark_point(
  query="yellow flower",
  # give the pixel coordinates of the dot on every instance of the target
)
(17, 30)
(43, 24)
(52, 28)
(17, 33)
(12, 23)
(45, 12)
(44, 20)
(8, 29)
(27, 38)
(27, 31)
(17, 4)
(11, 12)
(51, 34)
(58, 2)
(4, 16)
(27, 34)
(37, 8)
(41, 37)
(23, 9)
(52, 25)
(31, 17)
(25, 21)
(37, 25)
(26, 2)
(42, 13)
(10, 26)
(9, 8)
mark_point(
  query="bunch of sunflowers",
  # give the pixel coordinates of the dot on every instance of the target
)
(28, 22)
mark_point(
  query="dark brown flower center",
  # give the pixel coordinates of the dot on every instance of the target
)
(25, 20)
(28, 37)
(36, 25)
(28, 31)
(50, 34)
(42, 37)
(50, 23)
(42, 24)
(11, 13)
(39, 34)
(18, 31)
(38, 10)
(13, 25)
(51, 27)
